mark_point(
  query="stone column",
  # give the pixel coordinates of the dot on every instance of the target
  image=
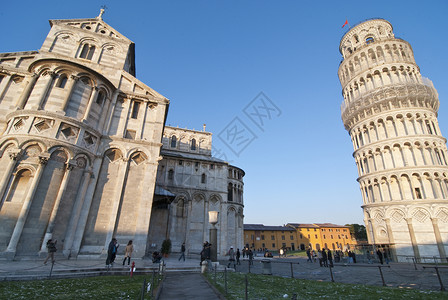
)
(5, 82)
(116, 204)
(439, 239)
(76, 212)
(146, 107)
(89, 105)
(70, 87)
(43, 159)
(413, 239)
(391, 239)
(121, 131)
(110, 113)
(57, 202)
(104, 113)
(14, 155)
(51, 76)
(27, 91)
(87, 202)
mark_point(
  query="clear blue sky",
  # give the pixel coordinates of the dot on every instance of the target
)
(212, 58)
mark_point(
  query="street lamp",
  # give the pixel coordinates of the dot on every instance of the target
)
(213, 219)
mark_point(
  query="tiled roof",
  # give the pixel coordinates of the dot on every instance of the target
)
(316, 225)
(263, 227)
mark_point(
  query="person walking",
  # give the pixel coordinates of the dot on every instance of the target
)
(128, 252)
(308, 253)
(182, 252)
(231, 254)
(51, 247)
(238, 254)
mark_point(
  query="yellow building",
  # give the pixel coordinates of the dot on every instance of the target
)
(323, 235)
(259, 236)
(298, 236)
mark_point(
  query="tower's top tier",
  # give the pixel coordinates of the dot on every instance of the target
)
(363, 34)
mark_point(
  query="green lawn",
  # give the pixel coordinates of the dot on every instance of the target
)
(103, 287)
(272, 287)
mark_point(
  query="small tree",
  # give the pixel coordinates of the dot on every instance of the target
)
(166, 247)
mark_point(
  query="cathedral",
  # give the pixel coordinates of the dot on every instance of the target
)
(390, 113)
(85, 155)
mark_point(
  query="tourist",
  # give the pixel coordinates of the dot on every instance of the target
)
(111, 252)
(128, 252)
(386, 257)
(330, 258)
(251, 257)
(324, 258)
(238, 254)
(156, 257)
(51, 247)
(308, 253)
(182, 252)
(231, 254)
(319, 256)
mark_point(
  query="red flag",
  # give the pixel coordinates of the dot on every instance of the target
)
(346, 23)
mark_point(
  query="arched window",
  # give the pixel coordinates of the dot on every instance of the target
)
(193, 144)
(87, 51)
(369, 40)
(203, 178)
(171, 174)
(100, 98)
(61, 81)
(173, 141)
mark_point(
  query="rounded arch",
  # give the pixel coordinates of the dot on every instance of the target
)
(215, 198)
(83, 160)
(66, 150)
(33, 142)
(29, 167)
(199, 196)
(113, 154)
(133, 151)
(10, 142)
(115, 147)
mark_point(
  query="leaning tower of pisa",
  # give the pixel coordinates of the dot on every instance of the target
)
(390, 113)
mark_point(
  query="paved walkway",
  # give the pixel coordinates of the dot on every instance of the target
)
(186, 286)
(184, 281)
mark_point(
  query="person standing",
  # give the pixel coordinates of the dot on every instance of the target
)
(111, 252)
(319, 256)
(330, 258)
(324, 258)
(182, 252)
(251, 257)
(51, 248)
(238, 254)
(128, 252)
(231, 254)
(386, 257)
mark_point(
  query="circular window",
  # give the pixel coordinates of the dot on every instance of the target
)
(103, 31)
(88, 27)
